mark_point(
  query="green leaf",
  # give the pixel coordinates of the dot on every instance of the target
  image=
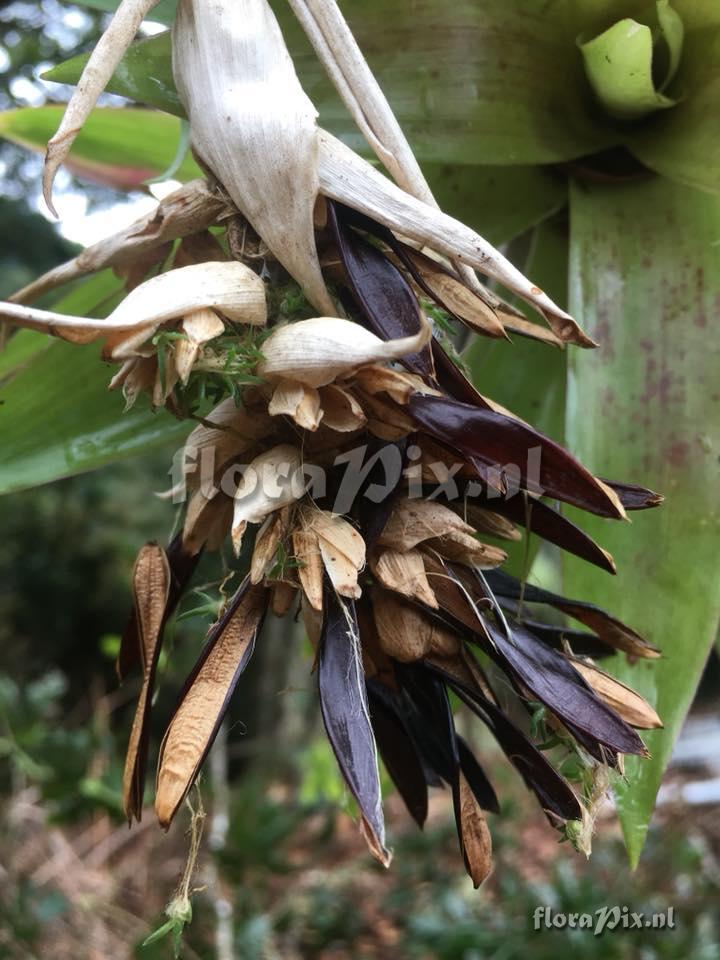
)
(498, 82)
(21, 348)
(164, 12)
(683, 142)
(593, 16)
(120, 148)
(164, 930)
(619, 66)
(694, 13)
(673, 32)
(644, 407)
(698, 14)
(144, 75)
(525, 376)
(499, 202)
(94, 295)
(57, 417)
(181, 153)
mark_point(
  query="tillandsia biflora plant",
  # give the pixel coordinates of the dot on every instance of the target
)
(347, 456)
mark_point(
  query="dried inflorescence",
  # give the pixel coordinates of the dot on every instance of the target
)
(366, 481)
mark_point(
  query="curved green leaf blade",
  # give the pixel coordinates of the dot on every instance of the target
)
(683, 143)
(694, 13)
(645, 282)
(57, 417)
(673, 32)
(499, 202)
(144, 74)
(498, 82)
(22, 347)
(618, 65)
(164, 12)
(525, 376)
(94, 295)
(698, 14)
(594, 16)
(119, 148)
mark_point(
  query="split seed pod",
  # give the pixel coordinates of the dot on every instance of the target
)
(137, 375)
(151, 588)
(455, 297)
(415, 522)
(272, 481)
(199, 328)
(404, 573)
(624, 701)
(475, 838)
(295, 400)
(341, 411)
(307, 551)
(342, 550)
(406, 634)
(205, 699)
(397, 384)
(206, 521)
(268, 539)
(284, 594)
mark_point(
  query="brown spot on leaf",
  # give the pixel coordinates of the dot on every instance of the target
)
(678, 453)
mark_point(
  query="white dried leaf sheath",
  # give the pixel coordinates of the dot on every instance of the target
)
(272, 481)
(346, 177)
(191, 208)
(231, 288)
(337, 48)
(341, 56)
(253, 126)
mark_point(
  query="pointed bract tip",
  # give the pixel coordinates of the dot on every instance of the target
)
(614, 500)
(50, 168)
(376, 847)
(612, 566)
